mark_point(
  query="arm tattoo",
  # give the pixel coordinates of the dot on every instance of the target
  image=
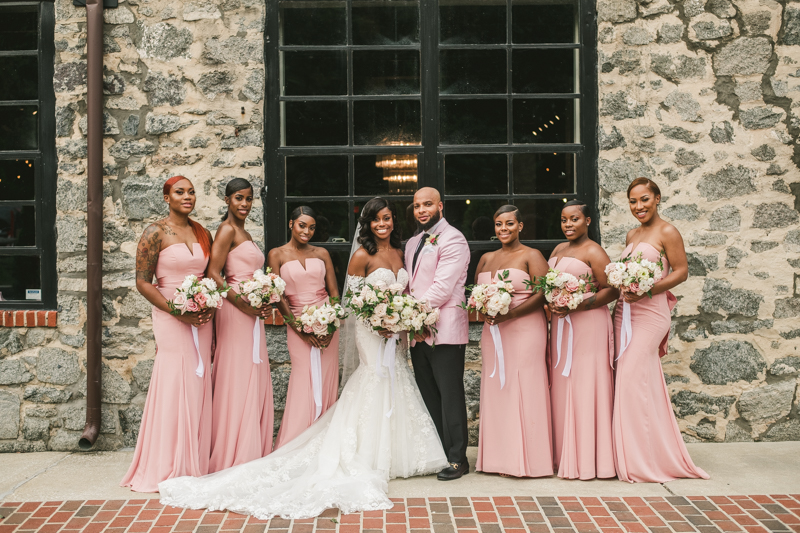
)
(147, 254)
(590, 301)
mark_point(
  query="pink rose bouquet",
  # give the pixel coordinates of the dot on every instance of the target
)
(321, 320)
(490, 299)
(562, 289)
(195, 295)
(264, 287)
(635, 274)
(386, 307)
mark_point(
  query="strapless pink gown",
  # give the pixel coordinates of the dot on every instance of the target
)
(648, 446)
(582, 401)
(175, 435)
(515, 435)
(243, 414)
(306, 286)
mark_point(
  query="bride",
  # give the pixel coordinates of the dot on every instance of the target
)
(378, 430)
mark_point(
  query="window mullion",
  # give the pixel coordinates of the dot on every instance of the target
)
(429, 33)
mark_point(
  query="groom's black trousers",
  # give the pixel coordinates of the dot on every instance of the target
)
(439, 373)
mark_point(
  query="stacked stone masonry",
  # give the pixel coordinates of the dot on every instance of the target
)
(701, 96)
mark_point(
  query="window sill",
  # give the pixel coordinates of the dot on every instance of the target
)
(28, 319)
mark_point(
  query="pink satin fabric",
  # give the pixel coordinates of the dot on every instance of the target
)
(242, 425)
(175, 434)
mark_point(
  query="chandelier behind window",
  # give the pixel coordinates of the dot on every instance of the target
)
(400, 171)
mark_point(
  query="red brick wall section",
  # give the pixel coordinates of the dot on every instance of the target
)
(28, 319)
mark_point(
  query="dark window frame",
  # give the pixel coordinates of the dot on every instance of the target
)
(45, 167)
(431, 153)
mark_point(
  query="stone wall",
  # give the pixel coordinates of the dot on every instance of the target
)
(700, 96)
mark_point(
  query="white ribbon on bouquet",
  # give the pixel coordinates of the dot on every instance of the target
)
(316, 379)
(200, 367)
(568, 362)
(626, 332)
(257, 341)
(494, 329)
(387, 352)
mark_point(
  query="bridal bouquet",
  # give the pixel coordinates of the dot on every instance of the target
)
(562, 289)
(490, 299)
(386, 307)
(321, 320)
(264, 287)
(634, 274)
(195, 295)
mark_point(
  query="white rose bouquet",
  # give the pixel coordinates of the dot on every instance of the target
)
(321, 320)
(383, 307)
(490, 299)
(264, 287)
(195, 295)
(563, 289)
(635, 274)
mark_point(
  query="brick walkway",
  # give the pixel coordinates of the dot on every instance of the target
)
(747, 514)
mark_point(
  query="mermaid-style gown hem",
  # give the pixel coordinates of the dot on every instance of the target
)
(345, 459)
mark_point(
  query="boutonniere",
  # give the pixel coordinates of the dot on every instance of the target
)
(432, 240)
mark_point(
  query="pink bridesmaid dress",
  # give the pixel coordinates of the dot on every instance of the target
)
(175, 434)
(583, 399)
(648, 446)
(515, 435)
(243, 415)
(306, 286)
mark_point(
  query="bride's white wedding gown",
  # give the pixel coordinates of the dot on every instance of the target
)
(344, 459)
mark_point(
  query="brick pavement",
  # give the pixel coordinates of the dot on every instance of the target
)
(519, 514)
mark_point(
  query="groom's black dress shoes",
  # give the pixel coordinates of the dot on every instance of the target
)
(454, 471)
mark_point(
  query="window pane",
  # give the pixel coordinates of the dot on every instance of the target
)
(314, 73)
(476, 174)
(385, 22)
(543, 21)
(324, 175)
(544, 121)
(386, 174)
(387, 122)
(548, 173)
(315, 123)
(19, 28)
(474, 217)
(17, 181)
(18, 273)
(473, 121)
(463, 22)
(316, 22)
(405, 217)
(19, 127)
(332, 220)
(541, 219)
(472, 71)
(19, 78)
(544, 71)
(340, 260)
(17, 225)
(389, 72)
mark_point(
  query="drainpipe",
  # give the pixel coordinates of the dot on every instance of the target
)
(94, 221)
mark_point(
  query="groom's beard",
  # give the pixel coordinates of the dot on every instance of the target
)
(430, 223)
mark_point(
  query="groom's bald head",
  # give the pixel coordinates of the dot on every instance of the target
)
(427, 207)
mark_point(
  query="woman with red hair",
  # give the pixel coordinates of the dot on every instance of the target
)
(175, 434)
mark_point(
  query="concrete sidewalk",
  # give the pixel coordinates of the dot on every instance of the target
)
(735, 468)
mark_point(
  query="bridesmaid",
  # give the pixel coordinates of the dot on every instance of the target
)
(310, 280)
(582, 390)
(515, 435)
(242, 420)
(175, 434)
(648, 446)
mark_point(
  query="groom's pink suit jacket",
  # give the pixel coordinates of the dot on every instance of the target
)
(439, 278)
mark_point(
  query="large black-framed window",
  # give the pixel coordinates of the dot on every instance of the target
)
(489, 101)
(27, 156)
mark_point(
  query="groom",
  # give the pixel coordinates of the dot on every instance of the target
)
(439, 257)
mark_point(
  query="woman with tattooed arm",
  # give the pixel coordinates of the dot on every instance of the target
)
(175, 434)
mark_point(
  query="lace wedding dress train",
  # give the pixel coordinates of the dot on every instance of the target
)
(344, 459)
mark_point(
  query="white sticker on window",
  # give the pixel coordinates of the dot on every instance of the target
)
(33, 294)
